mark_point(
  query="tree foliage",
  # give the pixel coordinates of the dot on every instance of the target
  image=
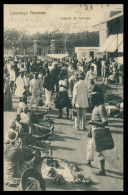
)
(22, 39)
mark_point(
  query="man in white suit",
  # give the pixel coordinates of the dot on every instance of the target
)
(80, 100)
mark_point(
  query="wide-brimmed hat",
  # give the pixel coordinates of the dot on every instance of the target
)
(12, 135)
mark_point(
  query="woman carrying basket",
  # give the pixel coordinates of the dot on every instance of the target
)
(98, 119)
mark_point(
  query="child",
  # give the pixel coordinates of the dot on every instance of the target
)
(21, 105)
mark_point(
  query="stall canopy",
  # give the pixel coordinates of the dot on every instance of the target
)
(107, 43)
(57, 56)
(112, 43)
(116, 43)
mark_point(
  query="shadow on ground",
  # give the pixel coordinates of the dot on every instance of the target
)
(116, 132)
(61, 148)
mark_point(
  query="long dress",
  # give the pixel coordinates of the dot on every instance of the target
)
(19, 87)
(7, 95)
(62, 99)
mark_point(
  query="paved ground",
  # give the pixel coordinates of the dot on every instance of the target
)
(71, 145)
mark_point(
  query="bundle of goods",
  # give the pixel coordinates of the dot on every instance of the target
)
(36, 117)
(42, 133)
(59, 180)
(48, 119)
(82, 179)
(45, 120)
(52, 173)
(52, 163)
(104, 87)
(113, 99)
(114, 105)
(74, 167)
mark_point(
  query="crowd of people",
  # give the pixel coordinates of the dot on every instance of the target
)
(74, 89)
(20, 75)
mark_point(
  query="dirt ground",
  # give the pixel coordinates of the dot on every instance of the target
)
(70, 145)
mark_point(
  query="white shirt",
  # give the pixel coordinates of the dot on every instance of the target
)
(12, 75)
(19, 86)
(90, 75)
(80, 94)
(35, 86)
(9, 67)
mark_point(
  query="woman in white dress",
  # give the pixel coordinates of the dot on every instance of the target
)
(20, 86)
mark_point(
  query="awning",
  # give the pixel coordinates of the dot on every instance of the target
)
(120, 48)
(107, 43)
(57, 56)
(115, 43)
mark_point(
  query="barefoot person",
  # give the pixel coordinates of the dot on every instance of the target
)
(98, 119)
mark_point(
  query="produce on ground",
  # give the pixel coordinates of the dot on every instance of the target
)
(59, 180)
(52, 173)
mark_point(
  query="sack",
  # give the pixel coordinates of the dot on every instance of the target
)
(41, 102)
(103, 139)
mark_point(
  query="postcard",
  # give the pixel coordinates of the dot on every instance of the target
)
(63, 97)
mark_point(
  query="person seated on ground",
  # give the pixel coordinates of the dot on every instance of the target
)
(26, 135)
(31, 180)
(21, 127)
(24, 116)
(98, 119)
(45, 128)
(12, 126)
(14, 160)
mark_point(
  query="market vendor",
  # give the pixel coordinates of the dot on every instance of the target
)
(98, 119)
(14, 161)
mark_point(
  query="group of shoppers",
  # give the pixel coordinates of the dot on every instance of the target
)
(74, 90)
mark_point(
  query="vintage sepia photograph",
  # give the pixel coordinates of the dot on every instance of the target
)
(63, 97)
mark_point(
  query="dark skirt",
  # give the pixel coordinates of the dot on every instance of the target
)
(62, 100)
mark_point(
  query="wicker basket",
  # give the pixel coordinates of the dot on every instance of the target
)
(103, 139)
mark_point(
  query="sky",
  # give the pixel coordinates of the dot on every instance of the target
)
(67, 18)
